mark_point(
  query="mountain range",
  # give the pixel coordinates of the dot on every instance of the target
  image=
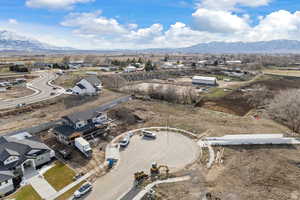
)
(12, 42)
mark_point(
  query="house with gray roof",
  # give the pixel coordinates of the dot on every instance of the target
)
(20, 156)
(79, 124)
(90, 85)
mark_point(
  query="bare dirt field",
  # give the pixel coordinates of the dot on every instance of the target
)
(16, 92)
(283, 72)
(248, 173)
(235, 102)
(51, 110)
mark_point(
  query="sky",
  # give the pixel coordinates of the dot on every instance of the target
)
(140, 24)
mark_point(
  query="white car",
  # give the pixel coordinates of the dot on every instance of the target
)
(84, 189)
(149, 134)
(125, 141)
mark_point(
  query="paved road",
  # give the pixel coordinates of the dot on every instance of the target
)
(172, 149)
(42, 92)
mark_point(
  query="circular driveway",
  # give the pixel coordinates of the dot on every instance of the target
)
(172, 149)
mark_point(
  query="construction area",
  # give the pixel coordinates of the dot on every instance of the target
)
(214, 155)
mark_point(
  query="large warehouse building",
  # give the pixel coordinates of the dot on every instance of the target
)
(202, 80)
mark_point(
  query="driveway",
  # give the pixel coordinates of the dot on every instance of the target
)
(42, 92)
(172, 149)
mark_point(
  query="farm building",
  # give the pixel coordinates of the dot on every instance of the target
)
(202, 80)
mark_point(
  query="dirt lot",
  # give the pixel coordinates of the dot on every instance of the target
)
(235, 102)
(249, 173)
(16, 92)
(283, 72)
(52, 110)
(78, 161)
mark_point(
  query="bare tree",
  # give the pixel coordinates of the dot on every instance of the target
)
(258, 96)
(285, 109)
(66, 60)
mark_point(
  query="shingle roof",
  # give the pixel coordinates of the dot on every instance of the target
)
(93, 80)
(10, 146)
(79, 116)
(6, 175)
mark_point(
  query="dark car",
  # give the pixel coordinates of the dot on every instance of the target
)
(66, 154)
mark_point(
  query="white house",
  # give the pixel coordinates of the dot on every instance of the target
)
(88, 86)
(20, 155)
(6, 182)
(202, 80)
(130, 69)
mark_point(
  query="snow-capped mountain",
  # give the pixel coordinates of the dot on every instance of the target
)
(10, 41)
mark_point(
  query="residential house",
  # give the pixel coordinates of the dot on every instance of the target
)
(130, 69)
(20, 155)
(78, 125)
(90, 85)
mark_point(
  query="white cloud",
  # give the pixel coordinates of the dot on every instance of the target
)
(230, 4)
(12, 21)
(54, 4)
(146, 34)
(277, 25)
(94, 24)
(219, 21)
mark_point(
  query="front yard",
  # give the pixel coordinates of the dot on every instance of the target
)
(26, 193)
(59, 176)
(70, 192)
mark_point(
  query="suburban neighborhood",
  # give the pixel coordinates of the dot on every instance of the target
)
(150, 100)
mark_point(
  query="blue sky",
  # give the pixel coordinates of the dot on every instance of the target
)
(113, 24)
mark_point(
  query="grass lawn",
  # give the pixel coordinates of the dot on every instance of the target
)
(26, 193)
(70, 192)
(59, 176)
(215, 93)
(283, 72)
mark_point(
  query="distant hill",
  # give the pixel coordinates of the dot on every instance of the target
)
(274, 46)
(10, 41)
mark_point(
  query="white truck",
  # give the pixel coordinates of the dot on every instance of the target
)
(83, 146)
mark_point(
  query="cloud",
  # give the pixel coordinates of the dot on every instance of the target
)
(277, 25)
(94, 24)
(219, 21)
(231, 4)
(54, 4)
(12, 21)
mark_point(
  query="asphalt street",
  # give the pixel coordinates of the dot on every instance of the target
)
(42, 91)
(172, 149)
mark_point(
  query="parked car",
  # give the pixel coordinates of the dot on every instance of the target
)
(83, 190)
(149, 134)
(77, 176)
(66, 154)
(125, 141)
(20, 105)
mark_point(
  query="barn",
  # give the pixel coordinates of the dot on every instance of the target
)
(202, 80)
